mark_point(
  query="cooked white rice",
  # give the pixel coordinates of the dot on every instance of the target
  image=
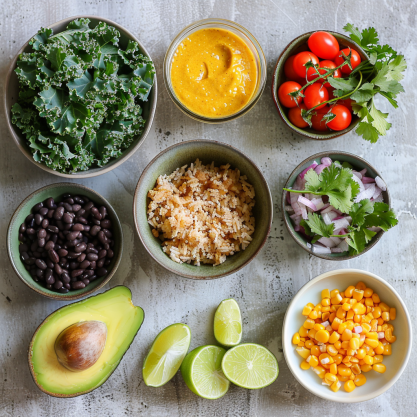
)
(202, 213)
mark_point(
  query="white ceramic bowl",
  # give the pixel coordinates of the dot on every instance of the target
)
(376, 383)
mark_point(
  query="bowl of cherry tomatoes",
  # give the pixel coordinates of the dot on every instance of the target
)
(298, 70)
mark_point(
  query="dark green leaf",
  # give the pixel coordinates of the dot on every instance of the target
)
(317, 225)
(360, 210)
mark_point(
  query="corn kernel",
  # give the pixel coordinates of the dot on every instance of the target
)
(336, 322)
(315, 350)
(331, 350)
(357, 318)
(313, 315)
(369, 360)
(334, 337)
(347, 335)
(309, 344)
(360, 286)
(350, 314)
(350, 325)
(379, 367)
(337, 344)
(342, 378)
(354, 343)
(330, 377)
(369, 302)
(325, 302)
(312, 333)
(322, 336)
(359, 308)
(377, 312)
(356, 369)
(303, 352)
(303, 331)
(304, 365)
(360, 353)
(375, 298)
(307, 310)
(379, 350)
(325, 293)
(336, 299)
(372, 343)
(392, 313)
(374, 325)
(349, 291)
(325, 310)
(335, 386)
(333, 369)
(380, 321)
(334, 292)
(385, 316)
(366, 327)
(344, 370)
(301, 344)
(320, 371)
(345, 344)
(368, 292)
(313, 361)
(384, 307)
(349, 386)
(341, 313)
(309, 324)
(372, 335)
(359, 380)
(389, 336)
(354, 360)
(338, 359)
(366, 368)
(296, 338)
(342, 327)
(346, 306)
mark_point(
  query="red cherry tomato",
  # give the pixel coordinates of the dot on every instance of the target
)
(342, 119)
(289, 71)
(283, 94)
(312, 73)
(294, 115)
(355, 60)
(323, 67)
(317, 119)
(347, 102)
(315, 94)
(323, 44)
(300, 60)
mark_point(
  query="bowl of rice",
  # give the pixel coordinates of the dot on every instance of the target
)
(202, 209)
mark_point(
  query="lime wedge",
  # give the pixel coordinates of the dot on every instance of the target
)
(166, 355)
(228, 323)
(202, 372)
(250, 366)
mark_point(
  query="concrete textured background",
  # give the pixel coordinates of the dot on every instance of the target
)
(265, 287)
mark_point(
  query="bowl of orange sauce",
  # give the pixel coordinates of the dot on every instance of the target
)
(215, 70)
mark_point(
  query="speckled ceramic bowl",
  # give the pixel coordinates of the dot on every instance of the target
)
(376, 384)
(297, 45)
(207, 151)
(24, 209)
(358, 163)
(11, 91)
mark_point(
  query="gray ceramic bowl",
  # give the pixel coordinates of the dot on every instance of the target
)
(207, 151)
(358, 163)
(297, 45)
(12, 90)
(24, 209)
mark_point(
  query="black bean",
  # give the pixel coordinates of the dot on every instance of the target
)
(49, 286)
(39, 272)
(105, 224)
(50, 264)
(94, 230)
(88, 206)
(50, 214)
(31, 223)
(37, 207)
(107, 263)
(30, 231)
(81, 257)
(87, 228)
(50, 202)
(41, 241)
(103, 211)
(81, 212)
(38, 219)
(23, 247)
(76, 272)
(40, 264)
(73, 255)
(62, 252)
(67, 195)
(43, 211)
(77, 285)
(93, 265)
(74, 265)
(69, 200)
(102, 254)
(78, 227)
(79, 199)
(42, 233)
(92, 257)
(58, 269)
(85, 264)
(65, 278)
(29, 218)
(80, 219)
(21, 237)
(48, 273)
(22, 228)
(86, 281)
(67, 218)
(68, 226)
(24, 256)
(34, 246)
(66, 287)
(107, 233)
(101, 272)
(81, 247)
(73, 235)
(45, 223)
(110, 253)
(53, 256)
(102, 237)
(50, 280)
(58, 284)
(31, 261)
(100, 262)
(68, 207)
(54, 238)
(59, 212)
(96, 213)
(49, 245)
(76, 207)
(63, 262)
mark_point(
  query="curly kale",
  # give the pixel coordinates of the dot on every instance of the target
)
(80, 96)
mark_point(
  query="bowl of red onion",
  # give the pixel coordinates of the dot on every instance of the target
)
(336, 206)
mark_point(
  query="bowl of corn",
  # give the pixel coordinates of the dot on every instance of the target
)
(347, 336)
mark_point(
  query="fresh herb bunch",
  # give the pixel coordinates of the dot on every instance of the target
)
(338, 184)
(80, 95)
(381, 74)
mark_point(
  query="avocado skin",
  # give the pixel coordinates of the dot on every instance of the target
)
(45, 321)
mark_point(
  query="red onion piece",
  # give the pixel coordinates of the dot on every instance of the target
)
(307, 202)
(326, 161)
(343, 245)
(336, 250)
(367, 180)
(326, 241)
(341, 223)
(318, 202)
(357, 174)
(328, 217)
(366, 194)
(321, 249)
(363, 172)
(312, 166)
(356, 179)
(319, 168)
(380, 183)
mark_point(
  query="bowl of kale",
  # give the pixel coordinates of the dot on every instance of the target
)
(80, 97)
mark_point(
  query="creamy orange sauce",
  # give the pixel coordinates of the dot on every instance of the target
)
(213, 73)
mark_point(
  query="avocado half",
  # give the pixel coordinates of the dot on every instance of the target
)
(123, 320)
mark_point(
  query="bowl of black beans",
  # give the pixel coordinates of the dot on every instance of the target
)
(65, 241)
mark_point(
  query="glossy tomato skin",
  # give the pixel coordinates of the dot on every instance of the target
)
(284, 90)
(317, 119)
(330, 65)
(300, 60)
(294, 115)
(355, 60)
(315, 94)
(342, 119)
(347, 102)
(290, 73)
(323, 44)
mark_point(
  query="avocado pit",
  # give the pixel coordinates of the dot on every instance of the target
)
(79, 346)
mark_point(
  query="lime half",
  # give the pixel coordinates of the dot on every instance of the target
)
(250, 366)
(166, 355)
(202, 372)
(228, 323)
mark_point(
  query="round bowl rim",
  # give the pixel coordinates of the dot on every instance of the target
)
(297, 170)
(306, 134)
(97, 170)
(58, 296)
(216, 143)
(263, 74)
(324, 275)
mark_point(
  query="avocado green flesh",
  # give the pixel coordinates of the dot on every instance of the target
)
(123, 320)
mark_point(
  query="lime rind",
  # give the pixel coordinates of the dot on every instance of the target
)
(228, 323)
(250, 366)
(166, 354)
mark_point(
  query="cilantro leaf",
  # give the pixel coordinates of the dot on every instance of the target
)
(317, 225)
(356, 241)
(360, 210)
(367, 131)
(382, 217)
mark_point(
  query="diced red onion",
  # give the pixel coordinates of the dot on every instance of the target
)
(321, 249)
(341, 223)
(325, 206)
(288, 198)
(339, 217)
(336, 250)
(357, 329)
(319, 168)
(318, 202)
(326, 161)
(377, 192)
(366, 194)
(367, 185)
(288, 208)
(303, 209)
(380, 183)
(328, 209)
(297, 228)
(328, 217)
(379, 199)
(343, 245)
(381, 335)
(336, 240)
(356, 179)
(326, 241)
(312, 166)
(296, 207)
(367, 180)
(363, 172)
(357, 174)
(325, 323)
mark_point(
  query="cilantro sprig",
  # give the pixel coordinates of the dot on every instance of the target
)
(336, 182)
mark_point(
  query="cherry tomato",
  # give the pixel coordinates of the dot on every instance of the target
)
(315, 94)
(294, 115)
(323, 44)
(317, 119)
(312, 73)
(342, 119)
(323, 67)
(347, 102)
(283, 94)
(289, 71)
(355, 60)
(300, 60)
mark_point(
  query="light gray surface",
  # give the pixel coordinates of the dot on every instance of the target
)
(265, 287)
